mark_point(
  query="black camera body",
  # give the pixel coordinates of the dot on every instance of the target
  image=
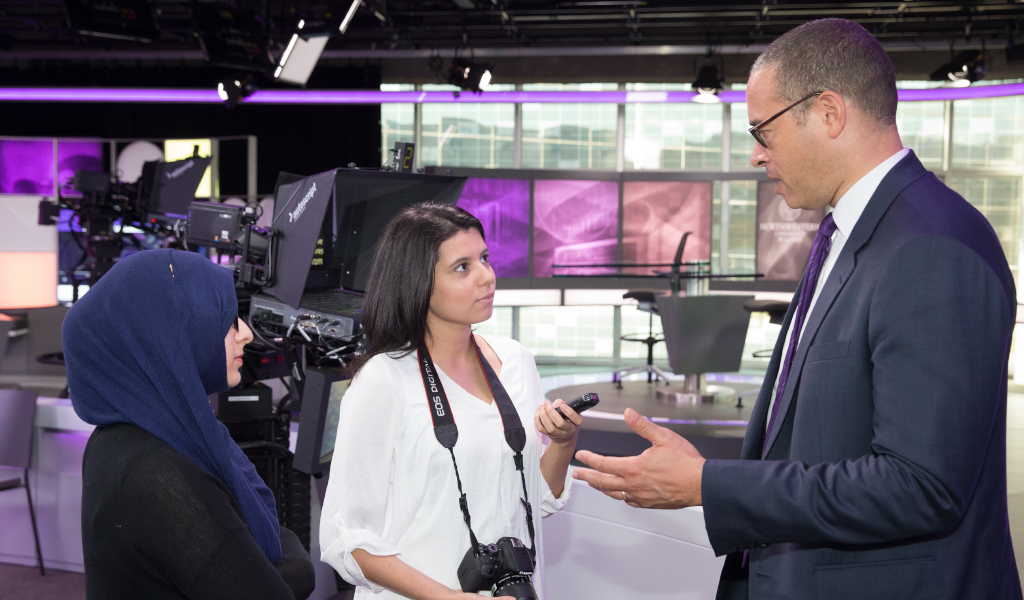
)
(504, 567)
(233, 228)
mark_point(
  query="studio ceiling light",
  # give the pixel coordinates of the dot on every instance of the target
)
(232, 91)
(708, 85)
(349, 16)
(301, 55)
(469, 76)
(964, 69)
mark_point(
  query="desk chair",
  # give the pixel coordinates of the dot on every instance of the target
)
(17, 420)
(646, 302)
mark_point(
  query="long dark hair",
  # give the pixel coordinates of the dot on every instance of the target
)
(402, 277)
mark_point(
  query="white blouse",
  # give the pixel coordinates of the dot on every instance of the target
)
(392, 488)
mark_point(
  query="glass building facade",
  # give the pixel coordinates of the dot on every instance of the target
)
(975, 146)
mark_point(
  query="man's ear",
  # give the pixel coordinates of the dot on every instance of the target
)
(832, 110)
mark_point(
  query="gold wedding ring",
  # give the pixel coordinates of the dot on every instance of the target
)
(623, 495)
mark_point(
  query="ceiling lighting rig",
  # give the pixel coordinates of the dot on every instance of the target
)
(964, 69)
(229, 39)
(232, 91)
(306, 45)
(466, 74)
(469, 76)
(302, 52)
(709, 80)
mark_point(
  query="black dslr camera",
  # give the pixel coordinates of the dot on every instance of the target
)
(505, 567)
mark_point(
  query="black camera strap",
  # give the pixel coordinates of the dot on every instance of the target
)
(447, 433)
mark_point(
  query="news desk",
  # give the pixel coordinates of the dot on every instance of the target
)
(603, 549)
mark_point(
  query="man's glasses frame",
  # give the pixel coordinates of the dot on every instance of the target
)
(755, 130)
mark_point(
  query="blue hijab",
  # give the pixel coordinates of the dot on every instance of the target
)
(146, 346)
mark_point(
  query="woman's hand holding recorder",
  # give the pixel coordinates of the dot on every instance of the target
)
(552, 424)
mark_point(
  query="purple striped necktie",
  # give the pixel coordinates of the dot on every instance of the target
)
(819, 252)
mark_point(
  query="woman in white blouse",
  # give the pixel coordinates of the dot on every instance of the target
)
(391, 521)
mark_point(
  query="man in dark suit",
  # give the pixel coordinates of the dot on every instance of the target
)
(874, 465)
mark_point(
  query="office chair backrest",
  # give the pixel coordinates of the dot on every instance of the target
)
(17, 419)
(678, 262)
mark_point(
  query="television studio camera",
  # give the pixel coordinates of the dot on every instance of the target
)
(300, 285)
(108, 210)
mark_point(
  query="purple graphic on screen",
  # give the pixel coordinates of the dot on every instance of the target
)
(503, 206)
(26, 167)
(74, 156)
(575, 223)
(656, 214)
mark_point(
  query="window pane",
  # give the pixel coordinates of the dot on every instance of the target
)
(741, 143)
(988, 132)
(761, 337)
(567, 331)
(570, 87)
(999, 199)
(742, 226)
(468, 135)
(658, 87)
(500, 323)
(396, 125)
(920, 125)
(569, 136)
(673, 136)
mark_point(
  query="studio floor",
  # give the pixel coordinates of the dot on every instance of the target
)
(25, 583)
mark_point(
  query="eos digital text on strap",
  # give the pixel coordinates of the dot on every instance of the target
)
(507, 565)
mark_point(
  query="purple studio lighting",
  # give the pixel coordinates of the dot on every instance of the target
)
(419, 97)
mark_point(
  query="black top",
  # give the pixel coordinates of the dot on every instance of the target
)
(157, 526)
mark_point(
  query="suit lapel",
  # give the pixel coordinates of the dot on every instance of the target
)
(754, 438)
(896, 180)
(833, 285)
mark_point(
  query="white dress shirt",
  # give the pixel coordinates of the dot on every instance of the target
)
(846, 214)
(392, 490)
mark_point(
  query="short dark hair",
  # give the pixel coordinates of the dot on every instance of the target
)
(401, 277)
(836, 55)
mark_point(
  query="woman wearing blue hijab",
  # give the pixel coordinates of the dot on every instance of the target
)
(171, 507)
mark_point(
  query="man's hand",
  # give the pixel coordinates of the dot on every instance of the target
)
(666, 475)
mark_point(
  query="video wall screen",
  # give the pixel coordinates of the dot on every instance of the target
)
(503, 207)
(574, 223)
(26, 167)
(784, 235)
(656, 214)
(74, 155)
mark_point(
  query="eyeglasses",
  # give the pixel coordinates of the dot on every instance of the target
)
(755, 130)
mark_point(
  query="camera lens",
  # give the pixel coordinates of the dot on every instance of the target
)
(518, 586)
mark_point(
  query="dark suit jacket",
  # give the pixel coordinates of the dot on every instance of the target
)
(885, 476)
